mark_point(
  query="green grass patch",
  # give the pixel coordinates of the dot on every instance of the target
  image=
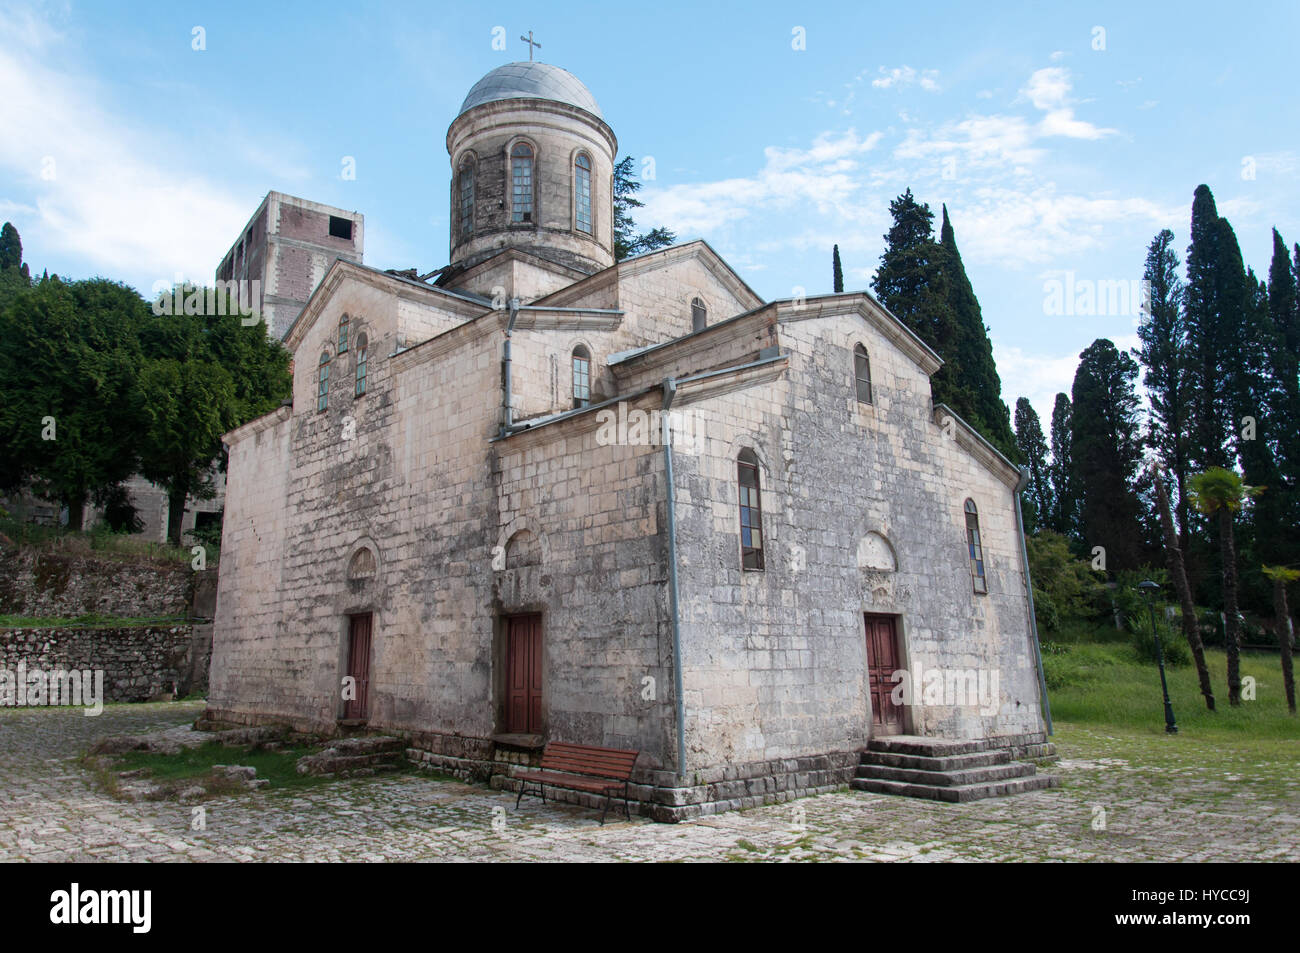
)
(1101, 684)
(88, 620)
(174, 771)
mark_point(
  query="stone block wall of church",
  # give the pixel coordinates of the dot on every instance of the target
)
(775, 661)
(599, 583)
(656, 306)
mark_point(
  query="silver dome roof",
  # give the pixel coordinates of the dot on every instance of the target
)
(531, 81)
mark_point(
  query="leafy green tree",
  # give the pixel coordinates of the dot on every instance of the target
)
(1106, 453)
(1164, 355)
(1033, 451)
(206, 375)
(1219, 492)
(69, 390)
(1064, 585)
(1065, 496)
(837, 272)
(626, 242)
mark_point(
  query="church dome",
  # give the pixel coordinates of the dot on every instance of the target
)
(531, 81)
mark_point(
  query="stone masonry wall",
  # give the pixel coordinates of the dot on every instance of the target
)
(138, 662)
(67, 584)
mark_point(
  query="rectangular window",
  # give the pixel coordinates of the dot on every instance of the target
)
(361, 371)
(581, 381)
(323, 388)
(522, 186)
(751, 515)
(466, 201)
(582, 183)
(340, 227)
(976, 550)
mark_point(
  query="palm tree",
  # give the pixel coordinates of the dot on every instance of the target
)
(1178, 573)
(1222, 492)
(1281, 576)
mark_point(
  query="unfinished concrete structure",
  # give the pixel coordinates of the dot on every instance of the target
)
(469, 528)
(287, 247)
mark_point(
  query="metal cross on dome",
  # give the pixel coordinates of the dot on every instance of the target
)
(531, 43)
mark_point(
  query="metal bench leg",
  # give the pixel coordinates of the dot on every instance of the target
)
(522, 786)
(627, 804)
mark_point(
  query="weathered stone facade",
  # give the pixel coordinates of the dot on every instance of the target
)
(463, 490)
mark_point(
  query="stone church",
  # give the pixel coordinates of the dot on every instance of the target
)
(544, 495)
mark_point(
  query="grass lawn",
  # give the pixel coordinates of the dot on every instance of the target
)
(1105, 685)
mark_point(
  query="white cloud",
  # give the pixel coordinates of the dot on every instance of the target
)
(821, 178)
(113, 199)
(901, 77)
(1049, 90)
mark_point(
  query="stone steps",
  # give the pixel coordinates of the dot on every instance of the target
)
(957, 794)
(957, 778)
(949, 769)
(355, 757)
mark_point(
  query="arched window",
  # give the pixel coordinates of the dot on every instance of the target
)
(862, 373)
(343, 334)
(582, 192)
(361, 364)
(751, 511)
(466, 197)
(975, 548)
(581, 376)
(521, 176)
(699, 315)
(323, 386)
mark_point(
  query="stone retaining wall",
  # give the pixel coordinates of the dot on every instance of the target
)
(65, 584)
(138, 662)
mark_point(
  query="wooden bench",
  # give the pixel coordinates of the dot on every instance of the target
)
(582, 768)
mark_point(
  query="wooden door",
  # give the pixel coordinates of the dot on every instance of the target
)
(359, 631)
(882, 661)
(524, 675)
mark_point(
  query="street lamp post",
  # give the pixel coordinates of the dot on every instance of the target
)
(1149, 590)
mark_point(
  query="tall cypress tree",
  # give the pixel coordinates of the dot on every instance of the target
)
(1065, 499)
(837, 273)
(1284, 314)
(14, 274)
(975, 375)
(1212, 303)
(1033, 451)
(1164, 354)
(1106, 453)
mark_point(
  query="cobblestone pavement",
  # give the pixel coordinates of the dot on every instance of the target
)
(1188, 809)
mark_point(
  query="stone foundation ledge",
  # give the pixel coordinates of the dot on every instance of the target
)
(738, 787)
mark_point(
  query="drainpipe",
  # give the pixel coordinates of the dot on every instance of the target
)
(1029, 591)
(670, 392)
(508, 417)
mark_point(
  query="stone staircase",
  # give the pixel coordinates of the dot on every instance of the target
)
(944, 769)
(355, 757)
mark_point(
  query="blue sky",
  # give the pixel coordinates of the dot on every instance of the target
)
(1061, 138)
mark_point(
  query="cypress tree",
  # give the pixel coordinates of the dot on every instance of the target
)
(975, 375)
(1106, 453)
(1033, 451)
(1211, 306)
(1164, 354)
(1065, 518)
(837, 273)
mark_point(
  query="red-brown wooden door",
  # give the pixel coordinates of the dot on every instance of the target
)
(359, 632)
(882, 662)
(524, 675)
